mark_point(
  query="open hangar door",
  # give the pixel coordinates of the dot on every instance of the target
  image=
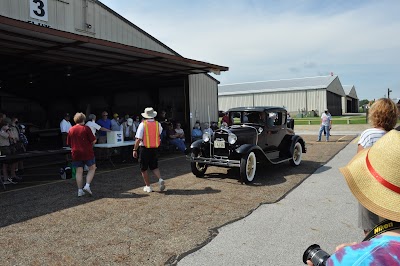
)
(46, 72)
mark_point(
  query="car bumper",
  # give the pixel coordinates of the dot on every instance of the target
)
(215, 161)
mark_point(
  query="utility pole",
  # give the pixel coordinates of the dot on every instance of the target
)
(389, 91)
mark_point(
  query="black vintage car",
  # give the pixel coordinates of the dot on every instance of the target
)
(256, 135)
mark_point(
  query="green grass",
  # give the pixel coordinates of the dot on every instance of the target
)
(336, 120)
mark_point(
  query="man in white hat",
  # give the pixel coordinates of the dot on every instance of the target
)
(373, 178)
(146, 145)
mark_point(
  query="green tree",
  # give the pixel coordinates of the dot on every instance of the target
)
(363, 102)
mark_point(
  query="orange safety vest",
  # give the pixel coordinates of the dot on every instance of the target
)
(151, 134)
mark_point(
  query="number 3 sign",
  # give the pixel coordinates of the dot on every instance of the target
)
(38, 9)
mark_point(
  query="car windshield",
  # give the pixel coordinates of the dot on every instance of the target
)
(248, 117)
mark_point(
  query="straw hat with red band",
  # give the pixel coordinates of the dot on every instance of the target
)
(374, 178)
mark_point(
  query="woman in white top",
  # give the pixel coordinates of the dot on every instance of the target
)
(179, 131)
(382, 117)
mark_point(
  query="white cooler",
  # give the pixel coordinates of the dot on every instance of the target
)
(114, 137)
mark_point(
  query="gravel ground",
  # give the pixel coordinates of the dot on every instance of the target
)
(122, 225)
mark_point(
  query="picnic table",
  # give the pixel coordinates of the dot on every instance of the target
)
(106, 151)
(35, 154)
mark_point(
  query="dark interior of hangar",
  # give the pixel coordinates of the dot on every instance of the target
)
(46, 72)
(40, 92)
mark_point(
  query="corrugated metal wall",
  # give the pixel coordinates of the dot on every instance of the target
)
(230, 101)
(301, 101)
(74, 16)
(316, 100)
(203, 96)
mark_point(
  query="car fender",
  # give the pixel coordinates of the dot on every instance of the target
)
(196, 145)
(297, 138)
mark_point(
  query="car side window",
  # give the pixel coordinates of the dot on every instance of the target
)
(272, 117)
(279, 119)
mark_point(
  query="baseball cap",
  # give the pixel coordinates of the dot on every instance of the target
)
(115, 115)
(130, 121)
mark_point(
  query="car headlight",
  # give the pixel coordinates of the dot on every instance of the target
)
(206, 137)
(232, 138)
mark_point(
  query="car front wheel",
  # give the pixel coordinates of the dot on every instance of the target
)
(248, 167)
(198, 169)
(297, 154)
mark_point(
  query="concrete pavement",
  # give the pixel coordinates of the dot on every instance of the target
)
(320, 210)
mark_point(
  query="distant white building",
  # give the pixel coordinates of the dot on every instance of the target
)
(299, 96)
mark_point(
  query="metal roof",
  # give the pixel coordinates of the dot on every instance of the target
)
(256, 108)
(350, 91)
(45, 55)
(309, 83)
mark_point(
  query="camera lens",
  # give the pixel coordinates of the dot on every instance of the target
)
(317, 256)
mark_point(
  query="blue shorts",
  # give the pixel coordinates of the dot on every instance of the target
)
(89, 163)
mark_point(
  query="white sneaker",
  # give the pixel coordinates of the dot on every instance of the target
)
(87, 189)
(147, 189)
(162, 184)
(81, 193)
(11, 181)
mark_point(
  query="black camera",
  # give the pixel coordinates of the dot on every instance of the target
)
(317, 256)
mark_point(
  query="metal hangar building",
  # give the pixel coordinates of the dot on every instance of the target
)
(299, 96)
(62, 56)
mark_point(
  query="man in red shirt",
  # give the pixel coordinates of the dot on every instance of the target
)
(81, 140)
(226, 119)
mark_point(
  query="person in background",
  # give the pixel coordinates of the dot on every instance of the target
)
(129, 131)
(196, 132)
(179, 131)
(81, 140)
(382, 117)
(145, 148)
(2, 116)
(105, 122)
(7, 149)
(326, 124)
(16, 142)
(207, 129)
(65, 125)
(224, 125)
(373, 179)
(174, 138)
(164, 121)
(137, 121)
(115, 125)
(122, 120)
(94, 126)
(24, 140)
(226, 119)
(214, 126)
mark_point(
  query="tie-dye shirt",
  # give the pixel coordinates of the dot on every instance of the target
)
(381, 250)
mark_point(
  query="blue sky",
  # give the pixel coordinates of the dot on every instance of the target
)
(270, 39)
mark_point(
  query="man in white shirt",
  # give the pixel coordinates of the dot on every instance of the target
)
(94, 126)
(326, 122)
(65, 125)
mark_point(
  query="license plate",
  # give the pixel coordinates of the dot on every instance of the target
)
(219, 144)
